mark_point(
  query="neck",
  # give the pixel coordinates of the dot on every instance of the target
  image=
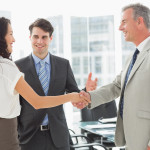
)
(41, 56)
(141, 37)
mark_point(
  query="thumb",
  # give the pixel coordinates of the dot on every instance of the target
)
(96, 80)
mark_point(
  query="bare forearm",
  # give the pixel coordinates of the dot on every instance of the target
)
(38, 102)
(52, 101)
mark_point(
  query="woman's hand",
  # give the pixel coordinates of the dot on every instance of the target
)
(76, 98)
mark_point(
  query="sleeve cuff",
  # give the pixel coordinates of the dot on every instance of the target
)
(12, 88)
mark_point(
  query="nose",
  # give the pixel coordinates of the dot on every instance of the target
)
(120, 27)
(14, 39)
(39, 40)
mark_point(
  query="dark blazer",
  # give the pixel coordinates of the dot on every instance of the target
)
(62, 80)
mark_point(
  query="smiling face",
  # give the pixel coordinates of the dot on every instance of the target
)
(40, 41)
(9, 38)
(129, 26)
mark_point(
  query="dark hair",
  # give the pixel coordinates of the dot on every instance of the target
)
(3, 31)
(44, 24)
(140, 10)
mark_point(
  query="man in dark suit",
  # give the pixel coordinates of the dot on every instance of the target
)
(45, 129)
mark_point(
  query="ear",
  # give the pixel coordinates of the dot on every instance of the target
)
(140, 21)
(51, 37)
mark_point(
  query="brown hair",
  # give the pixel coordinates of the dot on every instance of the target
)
(44, 24)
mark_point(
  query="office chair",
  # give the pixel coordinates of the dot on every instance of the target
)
(108, 110)
(86, 145)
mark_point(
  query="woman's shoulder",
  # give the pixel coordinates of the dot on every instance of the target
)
(7, 67)
(7, 63)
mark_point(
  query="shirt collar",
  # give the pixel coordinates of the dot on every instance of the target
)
(142, 44)
(37, 59)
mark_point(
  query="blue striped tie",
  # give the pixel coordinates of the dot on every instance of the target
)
(43, 77)
(45, 85)
(126, 79)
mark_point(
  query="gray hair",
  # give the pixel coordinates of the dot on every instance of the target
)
(140, 10)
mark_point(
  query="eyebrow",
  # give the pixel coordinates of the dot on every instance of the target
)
(44, 36)
(123, 20)
(35, 35)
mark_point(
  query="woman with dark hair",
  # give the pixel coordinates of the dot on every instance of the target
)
(3, 31)
(12, 84)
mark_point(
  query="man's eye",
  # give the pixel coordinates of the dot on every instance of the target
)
(44, 37)
(35, 37)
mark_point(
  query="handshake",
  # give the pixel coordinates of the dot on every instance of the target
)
(81, 100)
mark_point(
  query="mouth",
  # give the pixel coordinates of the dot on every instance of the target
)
(124, 33)
(11, 44)
(39, 46)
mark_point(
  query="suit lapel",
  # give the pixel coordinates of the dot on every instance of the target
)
(53, 73)
(137, 64)
(139, 61)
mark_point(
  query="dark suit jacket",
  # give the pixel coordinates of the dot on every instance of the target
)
(62, 80)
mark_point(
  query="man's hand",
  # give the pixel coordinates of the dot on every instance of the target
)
(148, 148)
(91, 84)
(81, 105)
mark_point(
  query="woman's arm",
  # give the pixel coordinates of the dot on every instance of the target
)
(23, 88)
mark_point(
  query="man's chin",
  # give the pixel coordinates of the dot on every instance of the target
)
(126, 39)
(43, 52)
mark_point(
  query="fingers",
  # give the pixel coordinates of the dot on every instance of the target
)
(92, 88)
(81, 99)
(85, 99)
(90, 76)
(96, 79)
(85, 95)
(80, 105)
(91, 84)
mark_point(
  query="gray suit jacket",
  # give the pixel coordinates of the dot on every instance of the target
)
(134, 130)
(62, 80)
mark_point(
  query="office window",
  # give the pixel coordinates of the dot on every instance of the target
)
(127, 48)
(78, 81)
(79, 34)
(111, 68)
(84, 81)
(98, 61)
(56, 46)
(76, 65)
(101, 47)
(85, 65)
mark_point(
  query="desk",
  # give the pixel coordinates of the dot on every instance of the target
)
(98, 131)
(108, 138)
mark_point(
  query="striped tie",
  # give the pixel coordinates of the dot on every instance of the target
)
(45, 85)
(43, 77)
